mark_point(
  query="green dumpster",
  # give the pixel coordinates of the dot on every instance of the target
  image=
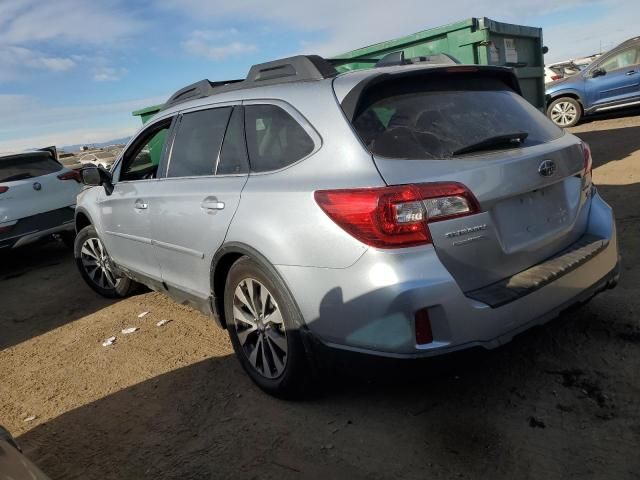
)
(479, 41)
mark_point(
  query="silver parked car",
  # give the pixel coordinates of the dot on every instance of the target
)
(401, 211)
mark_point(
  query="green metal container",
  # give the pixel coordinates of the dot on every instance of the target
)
(479, 41)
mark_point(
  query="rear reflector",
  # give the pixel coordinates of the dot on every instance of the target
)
(71, 175)
(396, 216)
(588, 161)
(3, 189)
(423, 327)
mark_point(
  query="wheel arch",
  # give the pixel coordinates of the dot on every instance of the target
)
(221, 263)
(552, 97)
(82, 219)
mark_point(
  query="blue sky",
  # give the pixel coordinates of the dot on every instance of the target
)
(72, 70)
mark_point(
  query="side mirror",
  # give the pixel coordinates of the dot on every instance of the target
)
(598, 72)
(96, 176)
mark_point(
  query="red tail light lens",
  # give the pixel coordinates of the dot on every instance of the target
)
(588, 161)
(556, 77)
(3, 189)
(397, 216)
(71, 175)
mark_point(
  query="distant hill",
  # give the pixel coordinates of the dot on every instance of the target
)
(76, 148)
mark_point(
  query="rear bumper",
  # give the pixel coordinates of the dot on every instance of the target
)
(30, 229)
(370, 306)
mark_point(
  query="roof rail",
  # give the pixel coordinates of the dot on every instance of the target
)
(200, 89)
(292, 69)
(398, 58)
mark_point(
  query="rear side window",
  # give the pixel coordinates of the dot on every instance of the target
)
(432, 119)
(233, 156)
(274, 138)
(28, 165)
(197, 143)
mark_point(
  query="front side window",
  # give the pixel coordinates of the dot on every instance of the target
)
(197, 143)
(143, 157)
(274, 138)
(623, 59)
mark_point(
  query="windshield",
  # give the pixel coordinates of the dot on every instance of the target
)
(21, 167)
(434, 120)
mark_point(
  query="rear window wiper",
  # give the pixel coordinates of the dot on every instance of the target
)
(514, 139)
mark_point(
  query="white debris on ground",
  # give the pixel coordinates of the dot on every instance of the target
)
(30, 418)
(109, 341)
(129, 330)
(162, 323)
(143, 314)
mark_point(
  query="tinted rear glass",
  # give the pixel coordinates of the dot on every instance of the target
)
(423, 119)
(21, 167)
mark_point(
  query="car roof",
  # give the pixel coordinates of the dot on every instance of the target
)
(235, 91)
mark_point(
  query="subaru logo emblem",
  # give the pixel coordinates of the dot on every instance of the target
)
(547, 168)
(37, 186)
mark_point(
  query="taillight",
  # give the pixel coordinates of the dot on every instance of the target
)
(556, 77)
(71, 175)
(3, 189)
(396, 216)
(588, 161)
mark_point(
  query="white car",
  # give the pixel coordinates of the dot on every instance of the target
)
(99, 159)
(552, 74)
(37, 198)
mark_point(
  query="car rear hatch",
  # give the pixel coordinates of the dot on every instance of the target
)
(470, 125)
(34, 183)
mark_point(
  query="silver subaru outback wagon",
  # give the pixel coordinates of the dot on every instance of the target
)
(401, 211)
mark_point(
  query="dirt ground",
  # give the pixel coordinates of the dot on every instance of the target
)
(171, 402)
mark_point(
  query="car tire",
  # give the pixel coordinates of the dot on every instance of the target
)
(94, 264)
(565, 112)
(274, 331)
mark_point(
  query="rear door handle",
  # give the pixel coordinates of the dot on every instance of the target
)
(631, 72)
(140, 205)
(212, 203)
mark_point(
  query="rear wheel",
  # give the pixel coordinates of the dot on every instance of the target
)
(264, 327)
(96, 267)
(565, 112)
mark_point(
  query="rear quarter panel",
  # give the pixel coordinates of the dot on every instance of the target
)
(278, 215)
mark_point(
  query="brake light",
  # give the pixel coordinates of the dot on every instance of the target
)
(396, 216)
(556, 77)
(3, 189)
(71, 175)
(588, 161)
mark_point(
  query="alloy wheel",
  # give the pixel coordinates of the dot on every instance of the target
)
(97, 264)
(260, 328)
(564, 113)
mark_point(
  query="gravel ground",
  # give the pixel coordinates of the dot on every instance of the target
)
(560, 401)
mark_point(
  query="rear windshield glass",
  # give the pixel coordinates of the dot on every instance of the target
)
(433, 119)
(21, 167)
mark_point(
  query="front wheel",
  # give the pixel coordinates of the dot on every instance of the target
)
(565, 112)
(94, 263)
(264, 327)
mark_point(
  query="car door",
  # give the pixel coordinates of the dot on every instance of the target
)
(616, 79)
(198, 196)
(126, 213)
